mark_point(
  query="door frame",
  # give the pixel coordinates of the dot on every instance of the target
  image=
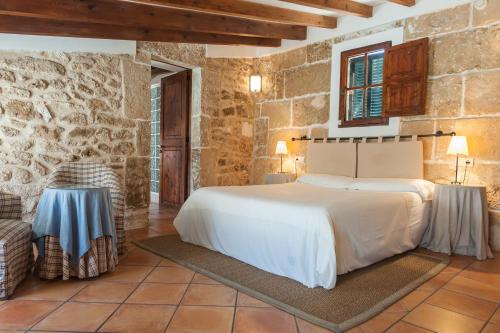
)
(187, 164)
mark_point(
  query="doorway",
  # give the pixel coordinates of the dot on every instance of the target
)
(170, 143)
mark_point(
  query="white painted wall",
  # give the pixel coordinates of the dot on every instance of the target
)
(396, 36)
(382, 14)
(12, 42)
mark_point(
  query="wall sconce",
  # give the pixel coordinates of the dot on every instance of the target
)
(255, 83)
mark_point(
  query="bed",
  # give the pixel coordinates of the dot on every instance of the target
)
(339, 217)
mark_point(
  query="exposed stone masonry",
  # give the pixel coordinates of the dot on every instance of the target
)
(57, 107)
(463, 96)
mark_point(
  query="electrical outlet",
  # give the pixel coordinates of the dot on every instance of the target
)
(300, 159)
(462, 161)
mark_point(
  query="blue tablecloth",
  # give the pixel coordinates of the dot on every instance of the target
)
(76, 215)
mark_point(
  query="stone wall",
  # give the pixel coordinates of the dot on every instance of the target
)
(463, 96)
(57, 107)
(222, 115)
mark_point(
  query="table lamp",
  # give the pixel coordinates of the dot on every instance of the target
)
(281, 150)
(458, 146)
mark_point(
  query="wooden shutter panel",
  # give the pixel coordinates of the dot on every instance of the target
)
(405, 79)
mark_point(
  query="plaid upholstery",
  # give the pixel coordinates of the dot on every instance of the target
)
(99, 259)
(10, 206)
(16, 250)
(88, 173)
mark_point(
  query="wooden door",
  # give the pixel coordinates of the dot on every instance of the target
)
(174, 138)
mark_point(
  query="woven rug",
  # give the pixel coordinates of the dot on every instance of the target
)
(358, 295)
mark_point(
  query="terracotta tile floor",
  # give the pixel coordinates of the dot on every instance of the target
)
(150, 294)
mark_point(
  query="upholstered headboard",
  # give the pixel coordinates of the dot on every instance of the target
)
(332, 158)
(398, 159)
(390, 160)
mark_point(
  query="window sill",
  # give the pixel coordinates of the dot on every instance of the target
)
(364, 122)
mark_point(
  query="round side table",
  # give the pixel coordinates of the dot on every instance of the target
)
(459, 221)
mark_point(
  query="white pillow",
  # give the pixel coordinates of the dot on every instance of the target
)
(325, 180)
(420, 186)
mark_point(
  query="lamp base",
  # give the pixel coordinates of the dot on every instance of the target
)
(456, 183)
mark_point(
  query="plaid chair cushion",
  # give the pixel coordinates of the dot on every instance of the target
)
(88, 173)
(16, 254)
(10, 206)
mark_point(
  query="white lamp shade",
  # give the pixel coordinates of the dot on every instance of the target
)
(255, 83)
(458, 145)
(281, 148)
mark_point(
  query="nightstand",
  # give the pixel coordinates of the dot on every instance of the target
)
(459, 221)
(279, 178)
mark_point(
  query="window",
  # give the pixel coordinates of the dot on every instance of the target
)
(155, 137)
(361, 86)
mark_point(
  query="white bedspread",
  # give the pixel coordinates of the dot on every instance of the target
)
(305, 232)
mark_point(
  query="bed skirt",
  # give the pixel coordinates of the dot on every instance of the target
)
(99, 259)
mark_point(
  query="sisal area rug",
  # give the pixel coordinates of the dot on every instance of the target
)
(358, 295)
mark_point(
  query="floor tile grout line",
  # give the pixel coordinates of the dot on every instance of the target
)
(180, 301)
(296, 324)
(53, 311)
(234, 310)
(425, 299)
(123, 302)
(489, 319)
(467, 295)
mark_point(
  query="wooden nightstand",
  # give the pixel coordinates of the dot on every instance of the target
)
(459, 221)
(279, 178)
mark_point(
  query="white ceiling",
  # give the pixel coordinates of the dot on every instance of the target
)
(283, 4)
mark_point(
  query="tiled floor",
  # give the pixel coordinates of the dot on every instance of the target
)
(149, 294)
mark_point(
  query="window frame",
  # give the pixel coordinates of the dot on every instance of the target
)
(344, 66)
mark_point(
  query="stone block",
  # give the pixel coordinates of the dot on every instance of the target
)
(447, 20)
(123, 148)
(261, 129)
(7, 76)
(480, 132)
(137, 90)
(489, 176)
(77, 118)
(35, 65)
(319, 132)
(277, 112)
(485, 12)
(311, 110)
(465, 50)
(319, 51)
(482, 93)
(310, 79)
(21, 110)
(143, 138)
(420, 127)
(207, 164)
(289, 59)
(444, 97)
(137, 182)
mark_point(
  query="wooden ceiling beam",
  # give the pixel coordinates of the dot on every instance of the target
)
(155, 18)
(40, 26)
(407, 3)
(342, 6)
(248, 10)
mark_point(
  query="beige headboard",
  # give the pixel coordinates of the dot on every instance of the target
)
(390, 160)
(332, 158)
